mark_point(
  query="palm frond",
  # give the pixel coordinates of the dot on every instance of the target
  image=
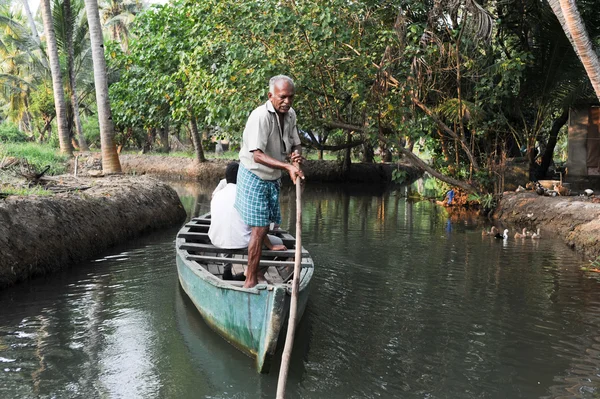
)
(452, 109)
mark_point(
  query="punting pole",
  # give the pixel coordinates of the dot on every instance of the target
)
(289, 338)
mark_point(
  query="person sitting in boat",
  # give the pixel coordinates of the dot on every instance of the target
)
(227, 229)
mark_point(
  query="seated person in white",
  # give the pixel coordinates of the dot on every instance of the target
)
(227, 229)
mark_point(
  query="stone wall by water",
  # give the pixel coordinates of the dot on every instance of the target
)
(41, 234)
(574, 219)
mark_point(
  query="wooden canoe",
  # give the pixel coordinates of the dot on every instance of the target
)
(250, 319)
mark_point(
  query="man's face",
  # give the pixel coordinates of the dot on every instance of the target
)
(282, 97)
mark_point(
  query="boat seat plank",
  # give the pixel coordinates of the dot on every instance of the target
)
(195, 235)
(200, 220)
(203, 224)
(198, 227)
(243, 251)
(244, 261)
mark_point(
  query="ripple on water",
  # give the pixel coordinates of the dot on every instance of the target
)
(403, 304)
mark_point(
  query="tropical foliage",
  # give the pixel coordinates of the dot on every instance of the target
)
(472, 83)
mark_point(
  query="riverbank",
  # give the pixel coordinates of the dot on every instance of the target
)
(315, 171)
(576, 220)
(42, 234)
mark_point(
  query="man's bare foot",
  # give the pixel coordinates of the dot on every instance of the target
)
(250, 283)
(279, 248)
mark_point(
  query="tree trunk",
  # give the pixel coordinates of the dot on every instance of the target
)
(549, 151)
(347, 155)
(196, 139)
(368, 153)
(57, 83)
(110, 157)
(568, 15)
(163, 133)
(71, 71)
(149, 143)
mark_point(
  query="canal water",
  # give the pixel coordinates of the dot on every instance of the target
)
(406, 302)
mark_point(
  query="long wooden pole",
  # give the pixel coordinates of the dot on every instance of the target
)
(289, 338)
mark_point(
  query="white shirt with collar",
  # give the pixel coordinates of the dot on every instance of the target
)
(262, 132)
(227, 229)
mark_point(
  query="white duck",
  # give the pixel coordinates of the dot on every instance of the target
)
(536, 235)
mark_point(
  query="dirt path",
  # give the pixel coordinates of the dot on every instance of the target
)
(575, 219)
(40, 234)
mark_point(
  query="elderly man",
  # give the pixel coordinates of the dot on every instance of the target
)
(270, 138)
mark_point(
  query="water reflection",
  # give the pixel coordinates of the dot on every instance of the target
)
(407, 301)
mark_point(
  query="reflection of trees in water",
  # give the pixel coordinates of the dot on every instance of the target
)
(195, 196)
(475, 306)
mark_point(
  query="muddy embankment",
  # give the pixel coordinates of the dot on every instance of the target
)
(213, 170)
(42, 234)
(574, 219)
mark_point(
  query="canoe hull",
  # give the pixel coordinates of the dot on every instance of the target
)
(250, 319)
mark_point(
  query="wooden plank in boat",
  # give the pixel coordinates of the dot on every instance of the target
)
(200, 220)
(213, 268)
(203, 225)
(286, 273)
(272, 275)
(200, 247)
(198, 227)
(263, 263)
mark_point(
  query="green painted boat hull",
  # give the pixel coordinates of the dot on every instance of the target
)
(250, 319)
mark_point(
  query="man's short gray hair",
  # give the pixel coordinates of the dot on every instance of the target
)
(273, 81)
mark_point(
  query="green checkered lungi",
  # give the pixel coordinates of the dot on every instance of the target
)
(257, 200)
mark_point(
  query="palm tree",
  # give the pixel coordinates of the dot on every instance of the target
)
(110, 157)
(568, 15)
(57, 82)
(116, 15)
(68, 24)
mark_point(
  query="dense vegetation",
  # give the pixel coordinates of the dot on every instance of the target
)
(471, 83)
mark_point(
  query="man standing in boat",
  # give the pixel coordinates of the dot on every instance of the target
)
(270, 139)
(227, 229)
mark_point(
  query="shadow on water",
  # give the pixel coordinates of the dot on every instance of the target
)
(406, 302)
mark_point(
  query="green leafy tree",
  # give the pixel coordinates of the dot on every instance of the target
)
(153, 70)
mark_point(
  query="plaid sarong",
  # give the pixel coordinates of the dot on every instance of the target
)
(257, 200)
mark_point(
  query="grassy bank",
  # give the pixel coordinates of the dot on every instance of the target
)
(18, 159)
(38, 156)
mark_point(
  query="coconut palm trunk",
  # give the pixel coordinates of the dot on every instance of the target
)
(57, 83)
(568, 15)
(71, 71)
(110, 157)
